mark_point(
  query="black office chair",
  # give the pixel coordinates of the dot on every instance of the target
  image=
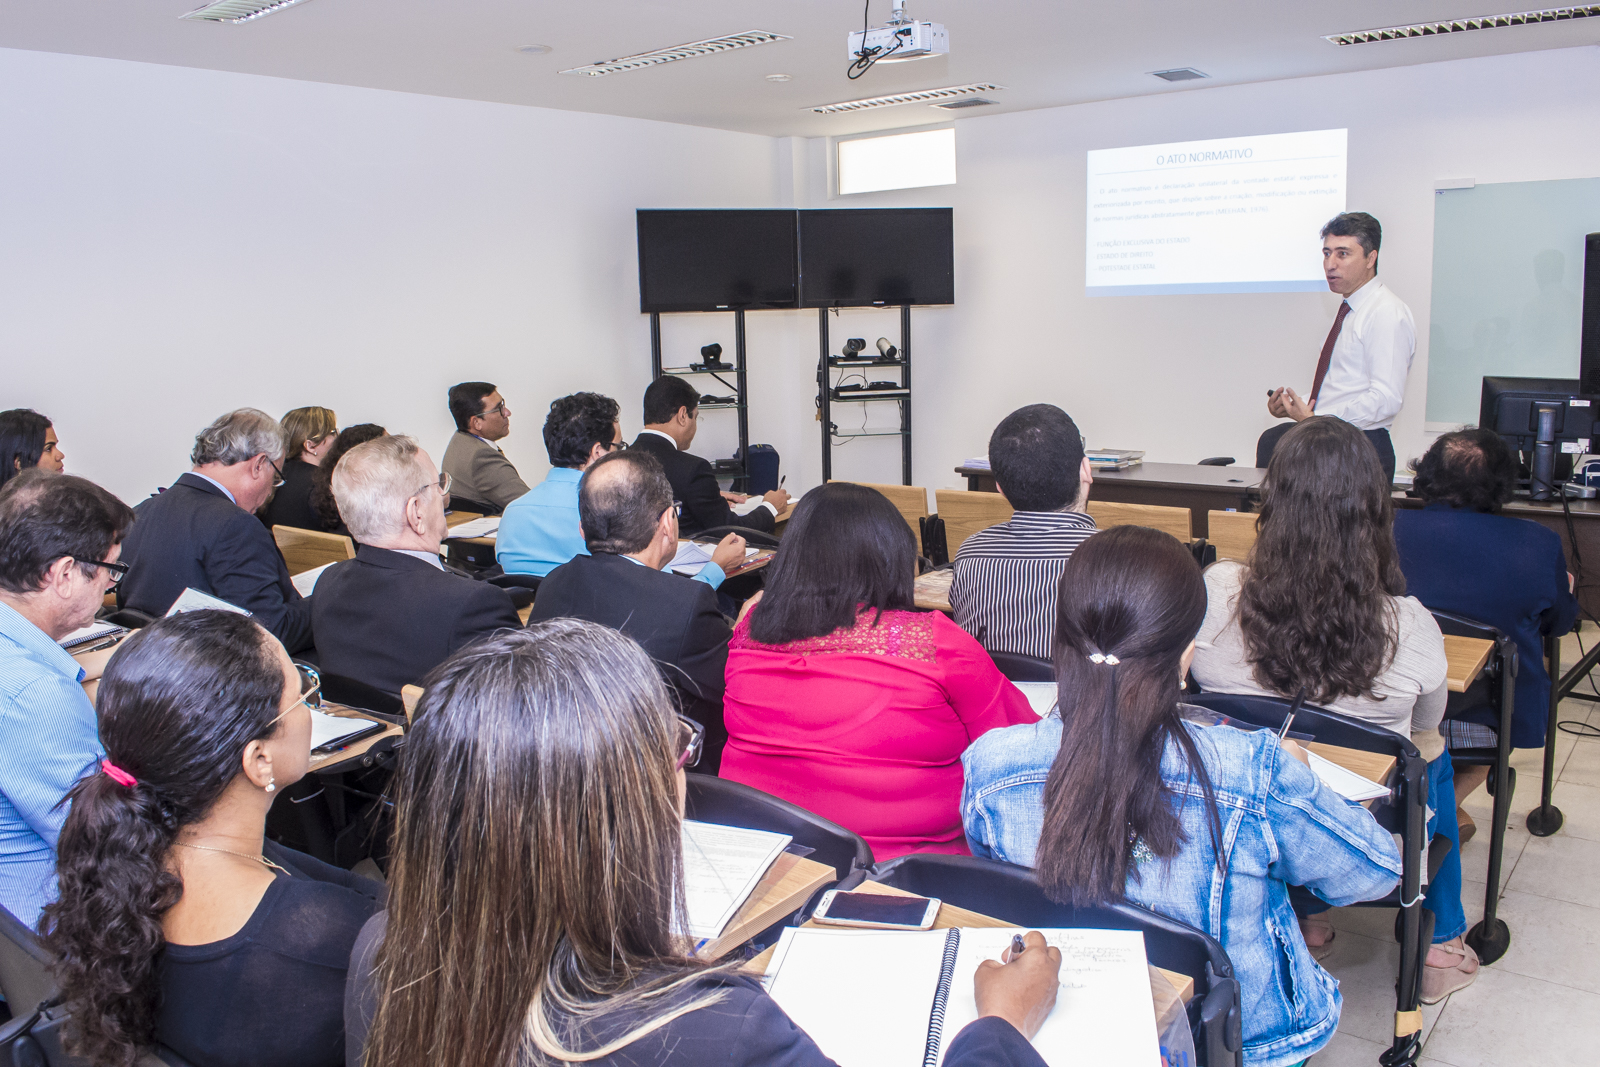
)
(1217, 461)
(32, 1036)
(727, 803)
(1021, 668)
(467, 504)
(132, 618)
(1495, 690)
(753, 538)
(1006, 891)
(354, 693)
(1546, 819)
(1405, 812)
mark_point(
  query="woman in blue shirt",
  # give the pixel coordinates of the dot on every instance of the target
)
(1116, 796)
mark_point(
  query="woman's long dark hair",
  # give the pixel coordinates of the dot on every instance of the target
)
(322, 501)
(1315, 606)
(21, 441)
(177, 705)
(846, 549)
(1133, 594)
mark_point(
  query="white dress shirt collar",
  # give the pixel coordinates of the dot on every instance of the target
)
(663, 436)
(1369, 290)
(426, 557)
(225, 491)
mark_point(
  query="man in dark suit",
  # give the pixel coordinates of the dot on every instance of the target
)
(393, 613)
(202, 532)
(671, 417)
(631, 529)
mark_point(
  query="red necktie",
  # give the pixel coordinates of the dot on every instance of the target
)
(1327, 352)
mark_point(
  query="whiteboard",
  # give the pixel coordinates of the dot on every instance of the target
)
(1507, 287)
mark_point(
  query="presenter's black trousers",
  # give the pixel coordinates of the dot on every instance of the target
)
(1268, 442)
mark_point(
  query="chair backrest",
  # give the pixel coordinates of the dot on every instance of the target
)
(1021, 668)
(24, 966)
(966, 513)
(911, 501)
(1175, 521)
(305, 549)
(459, 503)
(409, 695)
(1013, 894)
(727, 803)
(354, 693)
(1232, 532)
(1328, 727)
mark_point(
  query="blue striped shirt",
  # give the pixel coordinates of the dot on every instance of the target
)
(48, 740)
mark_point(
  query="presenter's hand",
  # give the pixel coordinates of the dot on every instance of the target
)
(1022, 990)
(729, 552)
(1296, 408)
(734, 498)
(1277, 406)
(778, 498)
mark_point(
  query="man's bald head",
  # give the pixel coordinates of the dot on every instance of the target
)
(620, 501)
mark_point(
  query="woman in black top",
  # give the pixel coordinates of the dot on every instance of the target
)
(176, 922)
(311, 433)
(536, 881)
(323, 505)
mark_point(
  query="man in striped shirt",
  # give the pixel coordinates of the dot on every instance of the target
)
(1004, 589)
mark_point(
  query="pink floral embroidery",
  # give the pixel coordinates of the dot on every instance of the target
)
(903, 634)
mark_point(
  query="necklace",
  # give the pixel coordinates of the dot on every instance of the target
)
(228, 852)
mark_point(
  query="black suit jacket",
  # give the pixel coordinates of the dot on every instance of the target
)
(291, 502)
(746, 1028)
(387, 619)
(675, 619)
(193, 535)
(695, 487)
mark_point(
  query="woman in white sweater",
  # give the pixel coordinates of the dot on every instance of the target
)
(1320, 604)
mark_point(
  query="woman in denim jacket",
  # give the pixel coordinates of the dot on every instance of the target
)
(1115, 796)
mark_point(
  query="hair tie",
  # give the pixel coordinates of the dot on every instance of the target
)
(1096, 657)
(117, 774)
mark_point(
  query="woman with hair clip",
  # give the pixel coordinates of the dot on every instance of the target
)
(1320, 605)
(311, 433)
(537, 883)
(177, 922)
(844, 698)
(1115, 796)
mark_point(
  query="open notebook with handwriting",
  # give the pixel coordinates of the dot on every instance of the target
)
(892, 998)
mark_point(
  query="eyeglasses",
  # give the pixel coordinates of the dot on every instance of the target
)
(118, 571)
(444, 483)
(277, 471)
(498, 409)
(615, 446)
(691, 741)
(310, 687)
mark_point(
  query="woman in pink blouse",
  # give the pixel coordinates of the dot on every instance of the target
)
(846, 700)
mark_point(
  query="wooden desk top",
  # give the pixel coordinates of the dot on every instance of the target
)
(332, 762)
(453, 519)
(787, 885)
(1466, 657)
(950, 915)
(932, 590)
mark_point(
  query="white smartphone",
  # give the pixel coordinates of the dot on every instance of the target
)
(876, 910)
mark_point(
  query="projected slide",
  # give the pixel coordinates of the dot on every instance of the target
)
(1235, 215)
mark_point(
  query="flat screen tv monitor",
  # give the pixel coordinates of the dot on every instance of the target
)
(1548, 422)
(869, 257)
(716, 260)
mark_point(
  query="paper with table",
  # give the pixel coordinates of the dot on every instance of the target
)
(85, 634)
(488, 526)
(1041, 696)
(1346, 783)
(693, 556)
(306, 581)
(889, 998)
(721, 866)
(192, 599)
(329, 730)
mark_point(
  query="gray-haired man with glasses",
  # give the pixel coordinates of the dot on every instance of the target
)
(387, 617)
(202, 532)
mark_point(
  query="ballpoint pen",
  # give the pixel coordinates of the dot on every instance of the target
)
(1299, 698)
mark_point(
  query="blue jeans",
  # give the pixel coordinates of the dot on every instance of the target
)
(1444, 892)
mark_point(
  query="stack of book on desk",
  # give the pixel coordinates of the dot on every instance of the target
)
(738, 882)
(1113, 459)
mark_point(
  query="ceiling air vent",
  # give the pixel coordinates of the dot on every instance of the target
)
(1180, 74)
(957, 105)
(601, 68)
(1484, 22)
(237, 11)
(925, 96)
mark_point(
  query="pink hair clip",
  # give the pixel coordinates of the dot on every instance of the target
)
(117, 774)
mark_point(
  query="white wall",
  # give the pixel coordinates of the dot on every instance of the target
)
(175, 243)
(1185, 377)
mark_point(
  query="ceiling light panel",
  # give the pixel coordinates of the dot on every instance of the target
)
(683, 51)
(1484, 22)
(925, 96)
(1179, 74)
(238, 11)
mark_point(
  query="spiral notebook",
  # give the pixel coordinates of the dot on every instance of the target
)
(889, 998)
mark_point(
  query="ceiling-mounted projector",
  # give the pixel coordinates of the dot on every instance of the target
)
(901, 39)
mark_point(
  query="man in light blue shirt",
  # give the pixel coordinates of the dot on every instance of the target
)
(60, 537)
(539, 530)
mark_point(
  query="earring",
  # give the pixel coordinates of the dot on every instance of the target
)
(1182, 683)
(272, 784)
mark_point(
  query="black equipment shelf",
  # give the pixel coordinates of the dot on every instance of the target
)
(828, 393)
(737, 370)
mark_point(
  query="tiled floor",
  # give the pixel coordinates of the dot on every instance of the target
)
(1540, 1002)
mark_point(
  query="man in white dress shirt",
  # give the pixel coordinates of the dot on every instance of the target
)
(1361, 375)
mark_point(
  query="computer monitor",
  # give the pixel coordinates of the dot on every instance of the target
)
(1547, 421)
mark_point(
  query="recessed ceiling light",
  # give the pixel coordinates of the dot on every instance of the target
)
(965, 102)
(777, 77)
(711, 46)
(1179, 74)
(237, 11)
(924, 96)
(534, 49)
(1483, 22)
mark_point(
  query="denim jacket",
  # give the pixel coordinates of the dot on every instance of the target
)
(1280, 827)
